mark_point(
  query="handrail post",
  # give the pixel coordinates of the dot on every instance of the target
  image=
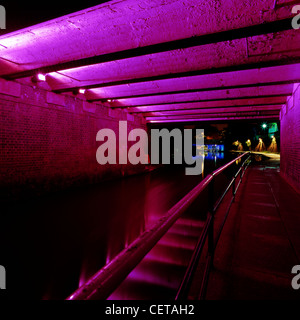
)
(211, 247)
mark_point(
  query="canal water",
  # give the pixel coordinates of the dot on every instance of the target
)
(53, 244)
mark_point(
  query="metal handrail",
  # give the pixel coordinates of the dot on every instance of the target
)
(105, 281)
(208, 233)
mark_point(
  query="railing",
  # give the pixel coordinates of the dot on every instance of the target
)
(208, 231)
(104, 282)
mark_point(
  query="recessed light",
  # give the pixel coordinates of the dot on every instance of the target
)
(39, 78)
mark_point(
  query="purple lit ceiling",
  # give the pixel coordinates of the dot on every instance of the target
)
(168, 60)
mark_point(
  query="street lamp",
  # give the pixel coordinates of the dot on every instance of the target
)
(264, 125)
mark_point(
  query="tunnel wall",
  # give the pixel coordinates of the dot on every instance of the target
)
(290, 139)
(48, 141)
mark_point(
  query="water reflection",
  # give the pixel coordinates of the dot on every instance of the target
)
(160, 273)
(140, 202)
(258, 158)
(60, 241)
(214, 155)
(214, 152)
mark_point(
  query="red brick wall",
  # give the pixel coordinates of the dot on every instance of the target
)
(290, 139)
(48, 141)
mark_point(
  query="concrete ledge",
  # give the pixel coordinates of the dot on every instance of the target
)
(112, 113)
(10, 88)
(89, 107)
(143, 120)
(290, 103)
(283, 110)
(57, 99)
(130, 117)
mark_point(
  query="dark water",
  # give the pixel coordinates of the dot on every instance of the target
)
(52, 245)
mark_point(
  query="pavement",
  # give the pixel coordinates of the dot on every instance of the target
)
(260, 242)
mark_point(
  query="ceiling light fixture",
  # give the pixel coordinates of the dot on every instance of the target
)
(79, 91)
(39, 78)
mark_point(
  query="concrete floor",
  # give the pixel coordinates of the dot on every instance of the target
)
(260, 242)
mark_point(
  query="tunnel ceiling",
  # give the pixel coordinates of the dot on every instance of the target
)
(167, 60)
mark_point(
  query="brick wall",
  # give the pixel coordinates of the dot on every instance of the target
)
(48, 141)
(290, 139)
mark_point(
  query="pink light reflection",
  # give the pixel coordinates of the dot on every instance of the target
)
(164, 266)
